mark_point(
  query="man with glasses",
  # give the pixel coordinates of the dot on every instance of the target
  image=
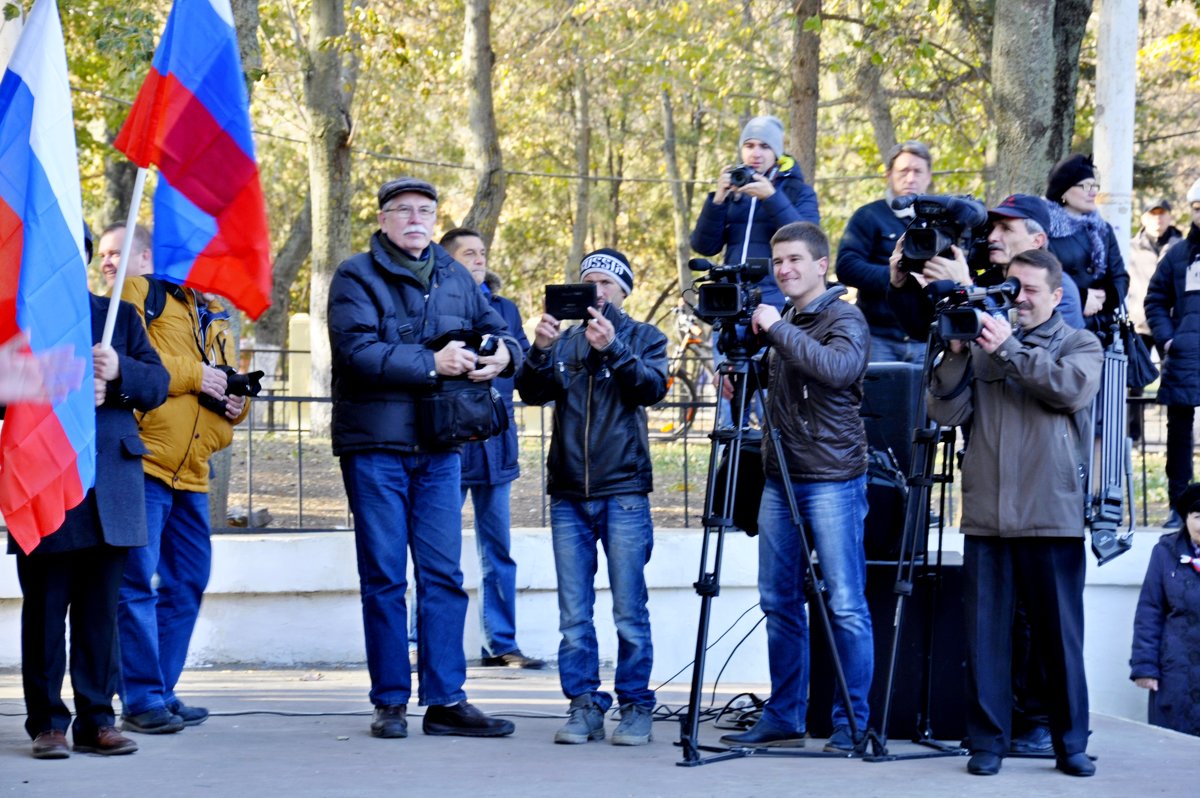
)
(386, 306)
(1173, 313)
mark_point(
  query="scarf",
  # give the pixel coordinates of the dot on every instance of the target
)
(1064, 224)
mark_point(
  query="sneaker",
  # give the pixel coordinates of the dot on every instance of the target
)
(514, 659)
(585, 721)
(154, 721)
(464, 720)
(191, 716)
(1035, 741)
(634, 728)
(106, 741)
(51, 745)
(765, 734)
(840, 742)
(390, 722)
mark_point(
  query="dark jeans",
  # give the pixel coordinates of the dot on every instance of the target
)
(86, 584)
(1180, 419)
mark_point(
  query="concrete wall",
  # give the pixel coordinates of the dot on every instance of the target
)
(288, 600)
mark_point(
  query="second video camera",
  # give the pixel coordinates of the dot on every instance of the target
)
(960, 315)
(942, 221)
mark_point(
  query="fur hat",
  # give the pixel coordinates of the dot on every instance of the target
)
(1066, 173)
(1188, 501)
(611, 263)
(768, 130)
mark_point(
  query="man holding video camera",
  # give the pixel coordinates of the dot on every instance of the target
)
(816, 365)
(1027, 395)
(399, 315)
(155, 621)
(601, 376)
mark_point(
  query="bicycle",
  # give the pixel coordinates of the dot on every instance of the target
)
(692, 384)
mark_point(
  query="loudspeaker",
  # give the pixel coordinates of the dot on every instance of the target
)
(948, 682)
(891, 395)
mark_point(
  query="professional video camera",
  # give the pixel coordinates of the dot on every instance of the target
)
(942, 221)
(236, 384)
(960, 313)
(730, 293)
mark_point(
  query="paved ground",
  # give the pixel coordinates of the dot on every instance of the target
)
(255, 746)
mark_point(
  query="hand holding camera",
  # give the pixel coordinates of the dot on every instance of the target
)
(600, 331)
(492, 358)
(223, 389)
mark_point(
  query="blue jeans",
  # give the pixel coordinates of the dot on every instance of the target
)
(498, 585)
(888, 350)
(833, 514)
(155, 625)
(622, 524)
(403, 501)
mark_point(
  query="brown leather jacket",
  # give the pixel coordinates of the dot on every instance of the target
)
(1029, 405)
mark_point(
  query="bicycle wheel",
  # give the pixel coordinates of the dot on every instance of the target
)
(672, 417)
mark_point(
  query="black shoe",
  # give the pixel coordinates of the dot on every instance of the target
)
(464, 720)
(1174, 521)
(514, 659)
(983, 763)
(840, 742)
(391, 722)
(1035, 741)
(765, 734)
(191, 716)
(1076, 765)
(154, 721)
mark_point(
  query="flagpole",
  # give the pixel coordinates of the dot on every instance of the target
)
(110, 321)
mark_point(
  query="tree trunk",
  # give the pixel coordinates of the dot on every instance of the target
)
(119, 174)
(1070, 23)
(483, 146)
(1023, 81)
(868, 81)
(806, 61)
(270, 331)
(583, 146)
(328, 106)
(683, 249)
(245, 24)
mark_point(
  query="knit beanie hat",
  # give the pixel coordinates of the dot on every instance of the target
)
(768, 130)
(1193, 194)
(611, 263)
(1188, 501)
(1066, 173)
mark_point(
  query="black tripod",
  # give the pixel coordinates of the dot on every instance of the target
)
(926, 441)
(739, 368)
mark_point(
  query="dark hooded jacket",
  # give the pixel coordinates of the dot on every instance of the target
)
(723, 227)
(1166, 634)
(600, 446)
(1173, 313)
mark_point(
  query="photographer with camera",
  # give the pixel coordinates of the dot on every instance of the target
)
(868, 241)
(155, 621)
(601, 376)
(401, 318)
(816, 365)
(1017, 224)
(1023, 506)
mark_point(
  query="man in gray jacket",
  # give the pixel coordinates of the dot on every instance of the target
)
(1027, 394)
(816, 365)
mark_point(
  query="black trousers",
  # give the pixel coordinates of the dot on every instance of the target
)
(1180, 419)
(86, 584)
(1047, 574)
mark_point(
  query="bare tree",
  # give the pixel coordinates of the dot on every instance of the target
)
(805, 71)
(583, 148)
(483, 145)
(680, 216)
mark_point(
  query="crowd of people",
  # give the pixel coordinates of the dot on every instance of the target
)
(399, 317)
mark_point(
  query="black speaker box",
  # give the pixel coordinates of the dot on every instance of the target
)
(891, 395)
(948, 680)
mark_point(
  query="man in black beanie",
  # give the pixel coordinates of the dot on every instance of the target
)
(601, 375)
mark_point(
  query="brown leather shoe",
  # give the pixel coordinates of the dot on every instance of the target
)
(107, 742)
(51, 745)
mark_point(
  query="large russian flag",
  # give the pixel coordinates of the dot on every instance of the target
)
(47, 453)
(192, 119)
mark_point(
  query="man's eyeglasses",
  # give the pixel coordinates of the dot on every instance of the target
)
(1089, 186)
(422, 212)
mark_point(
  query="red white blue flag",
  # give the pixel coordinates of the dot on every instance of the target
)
(47, 451)
(192, 120)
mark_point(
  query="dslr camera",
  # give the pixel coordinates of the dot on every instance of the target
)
(236, 384)
(741, 175)
(960, 314)
(942, 221)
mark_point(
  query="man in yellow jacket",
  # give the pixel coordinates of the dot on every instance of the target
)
(155, 623)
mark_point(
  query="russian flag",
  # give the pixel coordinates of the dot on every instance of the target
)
(192, 119)
(47, 452)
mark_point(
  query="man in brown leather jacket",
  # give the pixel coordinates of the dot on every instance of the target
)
(1027, 394)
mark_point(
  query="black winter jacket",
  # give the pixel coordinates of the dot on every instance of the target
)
(378, 377)
(1074, 250)
(600, 446)
(1173, 313)
(1166, 634)
(816, 365)
(862, 263)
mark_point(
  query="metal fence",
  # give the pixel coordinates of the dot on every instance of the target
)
(286, 480)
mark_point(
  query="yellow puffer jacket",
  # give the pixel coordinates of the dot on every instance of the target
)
(180, 434)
